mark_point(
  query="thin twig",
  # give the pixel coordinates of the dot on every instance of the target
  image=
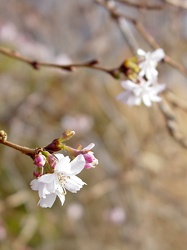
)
(25, 150)
(38, 64)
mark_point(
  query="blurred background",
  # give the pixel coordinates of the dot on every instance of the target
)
(136, 198)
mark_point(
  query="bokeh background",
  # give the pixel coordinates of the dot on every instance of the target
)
(136, 198)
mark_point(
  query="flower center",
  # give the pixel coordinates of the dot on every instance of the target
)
(62, 181)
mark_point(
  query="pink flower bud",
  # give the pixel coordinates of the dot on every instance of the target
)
(38, 171)
(52, 160)
(89, 157)
(40, 160)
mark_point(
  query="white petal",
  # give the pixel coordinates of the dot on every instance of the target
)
(159, 88)
(77, 180)
(42, 191)
(48, 201)
(142, 71)
(46, 178)
(61, 197)
(155, 98)
(63, 166)
(59, 156)
(89, 147)
(146, 100)
(74, 184)
(77, 164)
(51, 187)
(141, 52)
(35, 184)
(151, 74)
(158, 55)
(128, 85)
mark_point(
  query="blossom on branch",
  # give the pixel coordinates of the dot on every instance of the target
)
(51, 185)
(143, 86)
(143, 91)
(148, 64)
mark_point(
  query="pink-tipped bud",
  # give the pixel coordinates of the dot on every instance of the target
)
(52, 161)
(37, 174)
(40, 160)
(38, 171)
(90, 159)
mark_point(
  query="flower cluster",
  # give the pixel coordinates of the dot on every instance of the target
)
(56, 174)
(144, 87)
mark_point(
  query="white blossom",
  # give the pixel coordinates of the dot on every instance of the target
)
(51, 185)
(140, 92)
(149, 63)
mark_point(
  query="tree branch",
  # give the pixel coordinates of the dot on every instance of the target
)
(37, 64)
(147, 36)
(142, 5)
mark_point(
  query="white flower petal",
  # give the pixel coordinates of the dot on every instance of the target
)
(61, 197)
(77, 164)
(63, 165)
(35, 184)
(74, 184)
(59, 156)
(155, 98)
(148, 65)
(159, 88)
(89, 147)
(145, 91)
(146, 100)
(48, 201)
(141, 52)
(128, 85)
(51, 185)
(46, 178)
(158, 55)
(42, 191)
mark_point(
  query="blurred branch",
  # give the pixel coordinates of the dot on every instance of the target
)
(171, 124)
(93, 64)
(170, 118)
(176, 101)
(177, 3)
(116, 15)
(142, 5)
(37, 64)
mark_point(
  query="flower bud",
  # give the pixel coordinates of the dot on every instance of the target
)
(52, 161)
(38, 171)
(57, 144)
(90, 159)
(40, 160)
